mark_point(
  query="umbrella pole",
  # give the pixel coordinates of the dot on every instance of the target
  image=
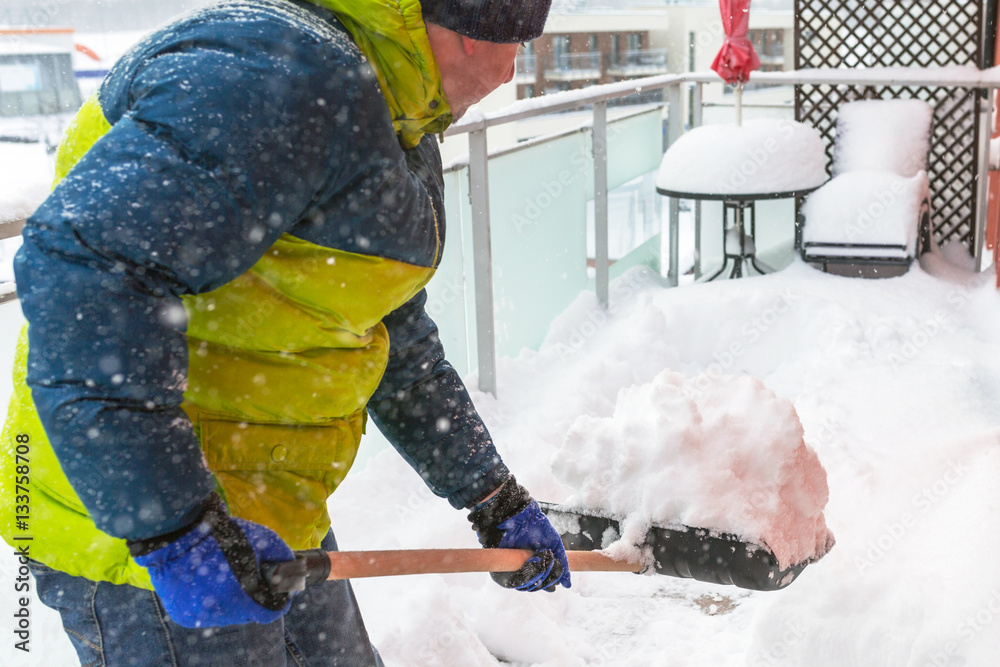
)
(739, 104)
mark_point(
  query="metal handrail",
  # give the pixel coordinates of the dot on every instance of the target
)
(729, 105)
(563, 101)
(948, 77)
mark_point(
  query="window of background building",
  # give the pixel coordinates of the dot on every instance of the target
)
(560, 51)
(692, 52)
(526, 62)
(769, 44)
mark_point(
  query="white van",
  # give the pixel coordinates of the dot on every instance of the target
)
(38, 90)
(38, 98)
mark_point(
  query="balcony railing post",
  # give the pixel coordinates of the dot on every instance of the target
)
(697, 117)
(982, 175)
(482, 260)
(600, 149)
(675, 126)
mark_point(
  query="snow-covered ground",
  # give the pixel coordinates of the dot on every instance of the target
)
(897, 384)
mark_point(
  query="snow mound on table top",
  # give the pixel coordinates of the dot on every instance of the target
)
(762, 155)
(727, 455)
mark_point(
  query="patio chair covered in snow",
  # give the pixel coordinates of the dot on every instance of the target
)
(873, 217)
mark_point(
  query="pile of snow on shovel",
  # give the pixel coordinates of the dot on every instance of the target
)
(724, 453)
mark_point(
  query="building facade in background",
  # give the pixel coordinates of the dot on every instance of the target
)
(585, 43)
(585, 47)
(571, 60)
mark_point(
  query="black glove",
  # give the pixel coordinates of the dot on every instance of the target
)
(512, 520)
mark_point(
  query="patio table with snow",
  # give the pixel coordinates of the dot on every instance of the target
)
(738, 165)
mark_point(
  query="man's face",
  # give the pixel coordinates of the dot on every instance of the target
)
(470, 69)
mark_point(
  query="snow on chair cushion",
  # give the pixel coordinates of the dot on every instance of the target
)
(883, 135)
(870, 208)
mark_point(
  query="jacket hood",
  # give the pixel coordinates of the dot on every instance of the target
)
(392, 35)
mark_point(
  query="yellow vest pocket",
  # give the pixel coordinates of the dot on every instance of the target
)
(280, 475)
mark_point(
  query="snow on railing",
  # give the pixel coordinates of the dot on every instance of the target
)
(11, 229)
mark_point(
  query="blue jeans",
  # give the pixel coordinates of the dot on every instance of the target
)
(118, 625)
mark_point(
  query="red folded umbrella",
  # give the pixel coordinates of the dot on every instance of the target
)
(736, 58)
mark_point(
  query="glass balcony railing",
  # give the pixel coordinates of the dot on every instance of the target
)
(526, 64)
(567, 66)
(541, 208)
(638, 62)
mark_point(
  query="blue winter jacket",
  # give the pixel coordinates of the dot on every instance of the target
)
(233, 268)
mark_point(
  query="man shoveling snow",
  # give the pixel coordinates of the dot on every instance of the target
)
(227, 278)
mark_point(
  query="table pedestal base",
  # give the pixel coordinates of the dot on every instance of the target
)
(737, 245)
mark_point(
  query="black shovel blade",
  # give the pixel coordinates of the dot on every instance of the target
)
(691, 553)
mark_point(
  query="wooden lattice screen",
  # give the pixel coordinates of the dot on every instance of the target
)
(902, 33)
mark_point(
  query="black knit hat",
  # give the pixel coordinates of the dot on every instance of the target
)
(501, 21)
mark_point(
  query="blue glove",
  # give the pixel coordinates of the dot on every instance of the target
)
(512, 520)
(208, 574)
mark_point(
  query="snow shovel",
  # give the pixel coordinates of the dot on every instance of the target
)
(677, 552)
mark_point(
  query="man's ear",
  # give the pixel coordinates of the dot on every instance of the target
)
(468, 45)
